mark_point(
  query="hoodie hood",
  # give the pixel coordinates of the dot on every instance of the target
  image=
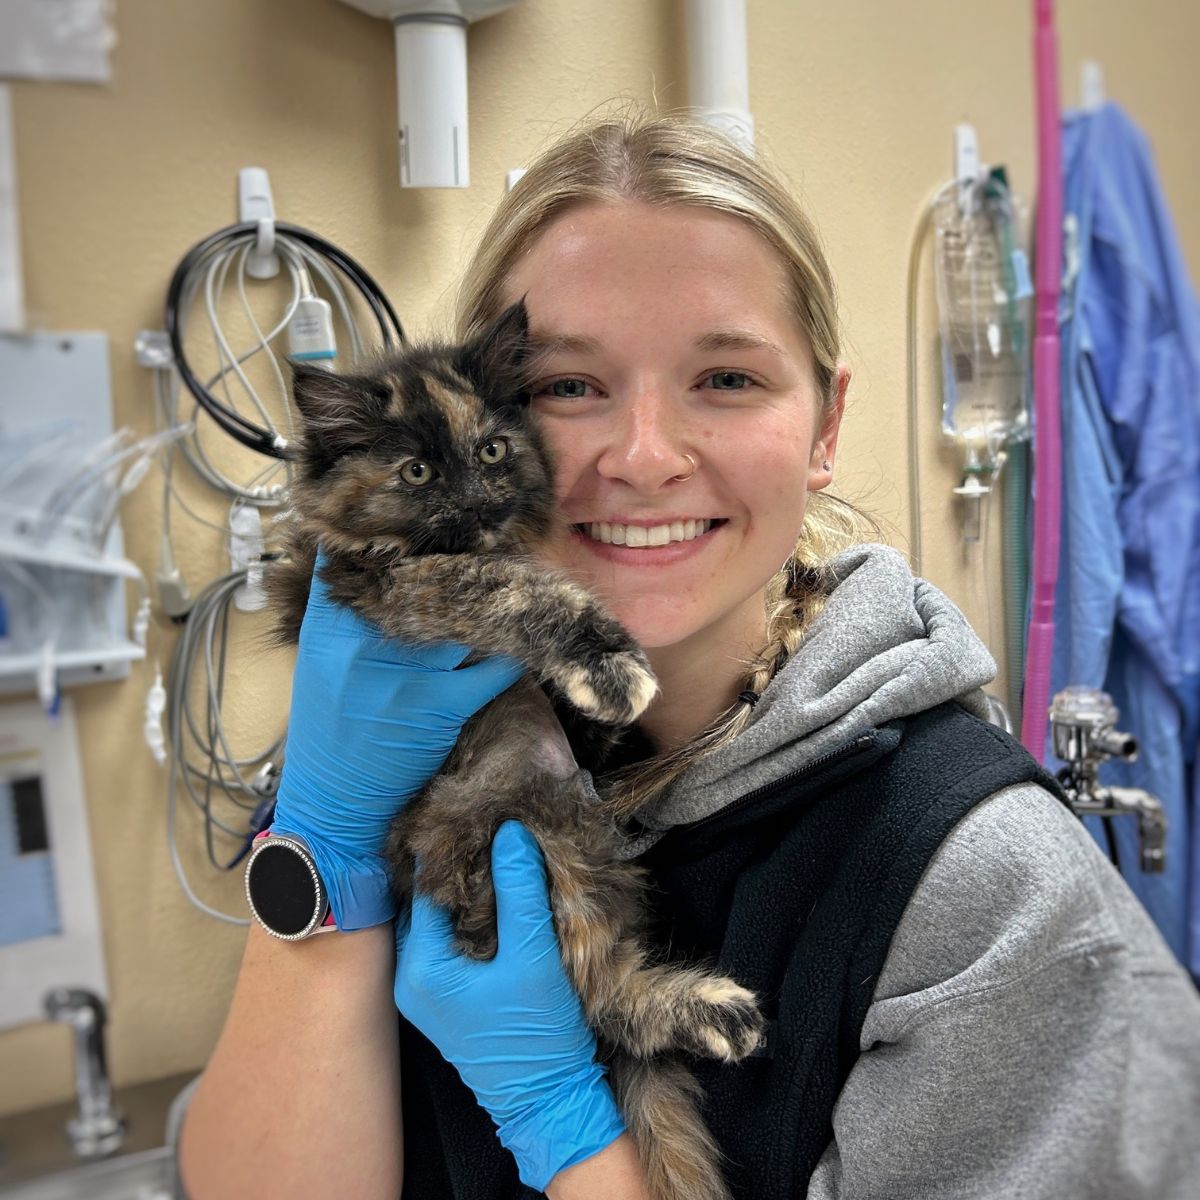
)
(886, 645)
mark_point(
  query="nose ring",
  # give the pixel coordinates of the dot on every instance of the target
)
(681, 478)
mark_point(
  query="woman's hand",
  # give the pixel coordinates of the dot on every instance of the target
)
(372, 721)
(513, 1026)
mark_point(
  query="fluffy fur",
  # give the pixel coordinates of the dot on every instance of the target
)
(427, 487)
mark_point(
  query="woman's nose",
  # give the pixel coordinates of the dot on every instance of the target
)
(646, 443)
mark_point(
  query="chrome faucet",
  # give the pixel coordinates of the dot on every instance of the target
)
(1084, 721)
(99, 1126)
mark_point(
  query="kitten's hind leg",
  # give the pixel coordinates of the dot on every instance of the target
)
(454, 861)
(643, 1008)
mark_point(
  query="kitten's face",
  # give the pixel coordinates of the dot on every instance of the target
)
(431, 453)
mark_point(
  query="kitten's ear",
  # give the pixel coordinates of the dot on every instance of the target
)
(494, 360)
(338, 411)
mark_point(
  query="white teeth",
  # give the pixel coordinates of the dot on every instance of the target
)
(611, 533)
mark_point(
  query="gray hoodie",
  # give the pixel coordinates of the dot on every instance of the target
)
(886, 645)
(1031, 1034)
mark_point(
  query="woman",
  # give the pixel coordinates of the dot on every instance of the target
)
(963, 998)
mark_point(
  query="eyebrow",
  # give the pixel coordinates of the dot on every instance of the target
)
(563, 343)
(736, 339)
(717, 339)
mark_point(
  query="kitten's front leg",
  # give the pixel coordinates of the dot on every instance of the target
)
(516, 607)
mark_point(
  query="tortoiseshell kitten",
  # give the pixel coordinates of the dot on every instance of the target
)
(428, 489)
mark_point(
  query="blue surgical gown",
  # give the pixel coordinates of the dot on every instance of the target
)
(1127, 608)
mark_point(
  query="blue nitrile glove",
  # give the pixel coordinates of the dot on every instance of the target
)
(513, 1026)
(372, 721)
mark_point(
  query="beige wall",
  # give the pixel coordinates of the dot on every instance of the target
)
(855, 100)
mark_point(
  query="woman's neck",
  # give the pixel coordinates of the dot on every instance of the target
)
(699, 679)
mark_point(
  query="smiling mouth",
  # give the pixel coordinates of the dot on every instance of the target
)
(613, 533)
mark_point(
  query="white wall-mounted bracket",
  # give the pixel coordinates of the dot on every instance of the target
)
(255, 203)
(967, 168)
(1091, 85)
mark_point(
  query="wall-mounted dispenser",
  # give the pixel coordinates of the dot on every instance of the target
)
(431, 84)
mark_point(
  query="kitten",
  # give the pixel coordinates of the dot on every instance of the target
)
(427, 487)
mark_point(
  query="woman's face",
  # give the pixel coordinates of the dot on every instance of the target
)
(666, 335)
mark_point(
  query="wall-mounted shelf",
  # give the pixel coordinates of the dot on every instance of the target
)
(54, 584)
(68, 560)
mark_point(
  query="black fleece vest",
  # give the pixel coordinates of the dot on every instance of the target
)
(795, 891)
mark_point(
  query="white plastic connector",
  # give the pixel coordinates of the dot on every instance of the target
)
(47, 679)
(152, 348)
(156, 705)
(141, 621)
(245, 554)
(255, 203)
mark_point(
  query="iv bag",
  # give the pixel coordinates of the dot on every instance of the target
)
(983, 296)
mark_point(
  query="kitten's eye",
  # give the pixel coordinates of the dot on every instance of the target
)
(417, 472)
(493, 451)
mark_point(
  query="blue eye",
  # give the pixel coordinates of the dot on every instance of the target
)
(739, 380)
(577, 389)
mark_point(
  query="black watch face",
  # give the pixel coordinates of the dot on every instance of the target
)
(283, 890)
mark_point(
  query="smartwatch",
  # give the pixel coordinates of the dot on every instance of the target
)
(284, 888)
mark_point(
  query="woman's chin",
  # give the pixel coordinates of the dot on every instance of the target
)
(652, 626)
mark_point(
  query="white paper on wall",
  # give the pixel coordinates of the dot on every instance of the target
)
(56, 39)
(12, 291)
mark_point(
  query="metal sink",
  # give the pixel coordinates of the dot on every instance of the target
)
(37, 1163)
(148, 1175)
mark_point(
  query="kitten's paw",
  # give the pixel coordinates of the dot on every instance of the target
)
(614, 688)
(725, 1022)
(478, 944)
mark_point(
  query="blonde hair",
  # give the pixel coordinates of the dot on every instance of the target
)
(673, 160)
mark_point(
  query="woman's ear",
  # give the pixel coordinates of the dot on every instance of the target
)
(820, 463)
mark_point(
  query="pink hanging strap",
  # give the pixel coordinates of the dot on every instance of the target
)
(1048, 444)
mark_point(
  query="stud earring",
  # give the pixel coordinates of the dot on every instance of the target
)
(827, 466)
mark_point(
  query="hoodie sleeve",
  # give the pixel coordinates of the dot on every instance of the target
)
(1031, 1035)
